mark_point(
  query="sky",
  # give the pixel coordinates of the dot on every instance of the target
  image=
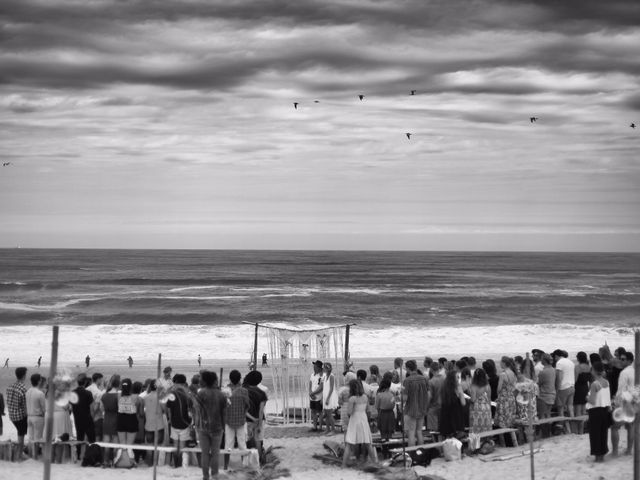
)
(159, 124)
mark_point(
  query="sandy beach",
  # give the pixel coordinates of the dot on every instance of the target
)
(563, 457)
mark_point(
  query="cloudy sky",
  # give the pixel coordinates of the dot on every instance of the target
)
(158, 124)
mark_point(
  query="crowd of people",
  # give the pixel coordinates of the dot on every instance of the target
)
(456, 398)
(156, 411)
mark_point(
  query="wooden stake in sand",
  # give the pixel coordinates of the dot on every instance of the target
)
(49, 413)
(636, 422)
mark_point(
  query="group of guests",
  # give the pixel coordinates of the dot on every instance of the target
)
(458, 397)
(157, 411)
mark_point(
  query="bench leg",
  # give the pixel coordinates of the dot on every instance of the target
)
(514, 439)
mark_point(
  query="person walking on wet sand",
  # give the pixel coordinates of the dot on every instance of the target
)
(199, 361)
(6, 363)
(264, 360)
(87, 360)
(39, 361)
(130, 361)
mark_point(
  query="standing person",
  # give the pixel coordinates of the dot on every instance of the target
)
(17, 407)
(82, 412)
(258, 400)
(127, 422)
(480, 412)
(109, 402)
(264, 360)
(39, 361)
(358, 431)
(599, 408)
(87, 360)
(329, 397)
(343, 401)
(194, 386)
(489, 367)
(235, 424)
(97, 412)
(179, 418)
(165, 382)
(547, 387)
(130, 361)
(625, 384)
(565, 381)
(397, 366)
(36, 406)
(536, 354)
(199, 361)
(435, 399)
(153, 418)
(385, 406)
(315, 395)
(416, 402)
(6, 363)
(506, 402)
(452, 409)
(374, 375)
(528, 391)
(1, 413)
(583, 378)
(209, 411)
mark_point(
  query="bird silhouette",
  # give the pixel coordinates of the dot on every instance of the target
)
(361, 97)
(408, 135)
(316, 101)
(413, 92)
(295, 105)
(633, 125)
(6, 164)
(533, 119)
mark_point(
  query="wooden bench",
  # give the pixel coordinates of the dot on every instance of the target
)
(60, 451)
(488, 433)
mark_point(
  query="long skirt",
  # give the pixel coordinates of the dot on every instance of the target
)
(599, 422)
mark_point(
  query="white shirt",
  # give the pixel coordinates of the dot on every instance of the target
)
(95, 391)
(316, 381)
(626, 381)
(567, 368)
(538, 367)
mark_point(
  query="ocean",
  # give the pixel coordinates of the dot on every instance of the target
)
(185, 302)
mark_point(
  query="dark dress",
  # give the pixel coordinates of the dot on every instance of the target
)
(451, 418)
(110, 424)
(582, 388)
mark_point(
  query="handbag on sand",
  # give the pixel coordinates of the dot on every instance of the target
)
(452, 449)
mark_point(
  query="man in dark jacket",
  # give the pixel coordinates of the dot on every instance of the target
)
(178, 407)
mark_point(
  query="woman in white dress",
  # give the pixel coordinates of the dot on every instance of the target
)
(329, 397)
(358, 431)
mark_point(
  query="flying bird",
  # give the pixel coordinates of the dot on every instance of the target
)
(413, 92)
(295, 105)
(633, 125)
(361, 97)
(316, 101)
(6, 164)
(408, 135)
(533, 119)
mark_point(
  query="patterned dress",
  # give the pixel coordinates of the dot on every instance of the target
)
(506, 403)
(480, 414)
(529, 391)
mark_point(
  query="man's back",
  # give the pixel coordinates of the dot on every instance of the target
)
(35, 402)
(210, 405)
(16, 401)
(417, 395)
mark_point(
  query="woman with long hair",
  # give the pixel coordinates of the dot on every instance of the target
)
(583, 378)
(329, 397)
(109, 402)
(358, 431)
(506, 401)
(385, 405)
(480, 412)
(599, 407)
(452, 406)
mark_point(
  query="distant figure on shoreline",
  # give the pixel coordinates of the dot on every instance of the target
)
(199, 361)
(264, 360)
(39, 361)
(87, 361)
(130, 361)
(6, 363)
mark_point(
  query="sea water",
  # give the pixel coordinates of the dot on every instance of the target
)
(115, 303)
